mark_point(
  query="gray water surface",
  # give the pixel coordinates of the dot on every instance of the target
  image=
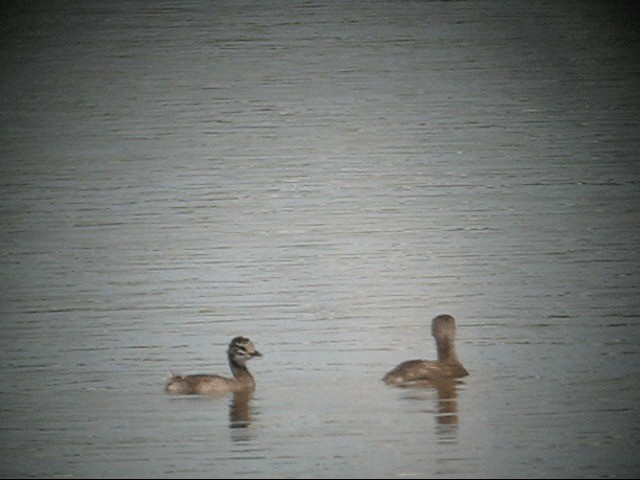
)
(324, 178)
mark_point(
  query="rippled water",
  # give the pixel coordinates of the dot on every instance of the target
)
(323, 178)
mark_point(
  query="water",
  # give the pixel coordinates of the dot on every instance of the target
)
(323, 178)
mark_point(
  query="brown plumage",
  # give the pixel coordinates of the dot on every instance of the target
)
(240, 350)
(447, 367)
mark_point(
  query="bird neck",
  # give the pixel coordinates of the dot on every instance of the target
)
(446, 351)
(238, 369)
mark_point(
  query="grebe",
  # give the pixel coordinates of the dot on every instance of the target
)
(240, 350)
(447, 367)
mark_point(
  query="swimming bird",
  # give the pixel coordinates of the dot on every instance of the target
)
(447, 367)
(240, 350)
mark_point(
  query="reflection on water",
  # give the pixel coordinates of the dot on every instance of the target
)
(447, 403)
(445, 410)
(240, 409)
(241, 417)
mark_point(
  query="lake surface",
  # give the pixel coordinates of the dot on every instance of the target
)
(324, 178)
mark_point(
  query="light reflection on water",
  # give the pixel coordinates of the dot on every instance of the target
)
(323, 179)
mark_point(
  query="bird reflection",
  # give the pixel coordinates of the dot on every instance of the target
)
(447, 403)
(446, 408)
(240, 409)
